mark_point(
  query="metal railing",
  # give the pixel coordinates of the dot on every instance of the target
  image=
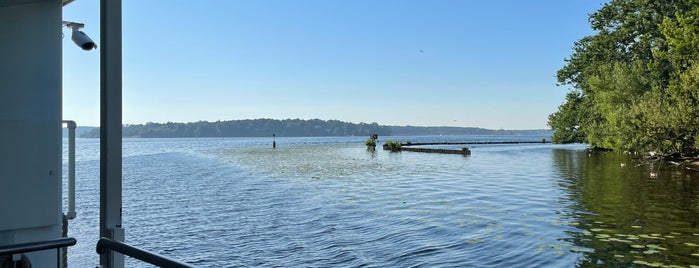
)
(71, 168)
(36, 246)
(105, 244)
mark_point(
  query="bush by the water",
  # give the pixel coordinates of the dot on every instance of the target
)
(370, 142)
(392, 145)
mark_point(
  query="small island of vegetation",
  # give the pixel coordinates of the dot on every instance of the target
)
(636, 81)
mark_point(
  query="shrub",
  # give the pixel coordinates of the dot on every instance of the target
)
(392, 145)
(370, 142)
(465, 151)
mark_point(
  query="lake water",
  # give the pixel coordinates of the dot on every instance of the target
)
(327, 202)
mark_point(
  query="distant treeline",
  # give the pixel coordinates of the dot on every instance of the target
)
(295, 128)
(79, 131)
(250, 128)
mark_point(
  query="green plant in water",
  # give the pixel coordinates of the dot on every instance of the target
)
(392, 145)
(370, 142)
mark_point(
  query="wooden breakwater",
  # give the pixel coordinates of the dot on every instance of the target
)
(471, 143)
(464, 151)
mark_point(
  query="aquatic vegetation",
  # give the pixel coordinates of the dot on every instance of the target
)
(392, 145)
(603, 236)
(370, 142)
(465, 150)
(650, 251)
(593, 237)
(647, 249)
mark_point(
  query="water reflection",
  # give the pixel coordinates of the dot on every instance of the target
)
(371, 152)
(627, 216)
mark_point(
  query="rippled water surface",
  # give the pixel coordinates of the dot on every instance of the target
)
(323, 202)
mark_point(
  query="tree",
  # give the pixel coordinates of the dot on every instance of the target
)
(565, 120)
(635, 81)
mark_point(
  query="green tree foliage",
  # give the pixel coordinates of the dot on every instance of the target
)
(565, 120)
(636, 81)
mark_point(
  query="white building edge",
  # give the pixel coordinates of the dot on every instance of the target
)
(31, 215)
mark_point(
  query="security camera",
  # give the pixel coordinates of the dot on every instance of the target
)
(79, 37)
(82, 40)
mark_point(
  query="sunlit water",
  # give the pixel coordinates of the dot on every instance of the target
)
(320, 202)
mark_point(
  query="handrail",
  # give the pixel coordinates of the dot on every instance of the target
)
(103, 244)
(71, 167)
(37, 246)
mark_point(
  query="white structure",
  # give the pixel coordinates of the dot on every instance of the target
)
(30, 136)
(30, 116)
(31, 217)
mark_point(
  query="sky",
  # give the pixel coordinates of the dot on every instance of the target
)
(489, 64)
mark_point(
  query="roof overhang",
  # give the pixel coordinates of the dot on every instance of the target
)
(22, 2)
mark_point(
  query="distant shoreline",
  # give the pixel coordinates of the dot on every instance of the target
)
(292, 128)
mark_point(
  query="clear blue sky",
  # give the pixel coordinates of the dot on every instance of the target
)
(488, 64)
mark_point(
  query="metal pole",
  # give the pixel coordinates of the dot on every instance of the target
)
(110, 128)
(71, 168)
